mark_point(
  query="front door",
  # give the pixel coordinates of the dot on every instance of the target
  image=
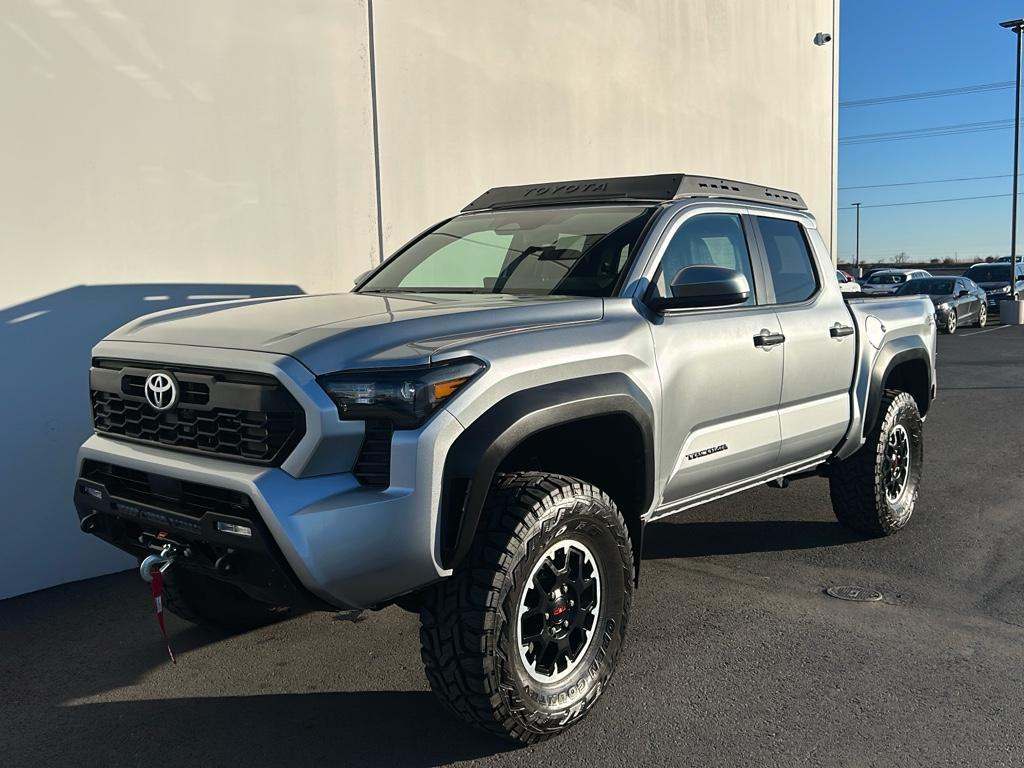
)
(721, 368)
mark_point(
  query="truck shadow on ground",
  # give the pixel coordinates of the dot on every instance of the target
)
(367, 728)
(85, 673)
(705, 538)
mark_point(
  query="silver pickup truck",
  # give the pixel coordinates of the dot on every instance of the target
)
(482, 429)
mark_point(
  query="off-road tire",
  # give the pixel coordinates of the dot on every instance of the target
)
(216, 604)
(469, 626)
(858, 485)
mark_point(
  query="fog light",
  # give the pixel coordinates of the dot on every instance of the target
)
(237, 530)
(94, 492)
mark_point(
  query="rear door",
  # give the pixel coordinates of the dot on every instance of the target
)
(721, 381)
(821, 343)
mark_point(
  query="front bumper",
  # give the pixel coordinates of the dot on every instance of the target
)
(344, 544)
(992, 301)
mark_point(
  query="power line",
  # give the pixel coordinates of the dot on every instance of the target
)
(923, 133)
(930, 181)
(929, 202)
(961, 91)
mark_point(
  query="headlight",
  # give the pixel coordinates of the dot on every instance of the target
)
(404, 396)
(944, 307)
(1004, 289)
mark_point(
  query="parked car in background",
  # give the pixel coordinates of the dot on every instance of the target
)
(865, 274)
(1007, 259)
(957, 300)
(846, 283)
(888, 280)
(995, 280)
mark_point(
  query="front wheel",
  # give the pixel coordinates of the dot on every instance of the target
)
(523, 638)
(950, 326)
(875, 490)
(982, 316)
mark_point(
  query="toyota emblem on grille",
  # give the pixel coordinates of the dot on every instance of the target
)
(161, 391)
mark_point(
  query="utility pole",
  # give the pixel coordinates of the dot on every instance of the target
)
(856, 252)
(1015, 26)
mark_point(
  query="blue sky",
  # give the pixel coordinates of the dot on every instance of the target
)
(894, 47)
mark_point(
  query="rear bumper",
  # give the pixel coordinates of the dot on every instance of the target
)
(326, 539)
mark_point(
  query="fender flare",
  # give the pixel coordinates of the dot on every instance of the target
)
(477, 453)
(891, 355)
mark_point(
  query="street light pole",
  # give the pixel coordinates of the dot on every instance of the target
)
(856, 252)
(1015, 25)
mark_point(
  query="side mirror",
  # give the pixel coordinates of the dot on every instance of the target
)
(704, 285)
(361, 276)
(963, 293)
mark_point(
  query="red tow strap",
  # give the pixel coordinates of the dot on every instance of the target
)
(158, 591)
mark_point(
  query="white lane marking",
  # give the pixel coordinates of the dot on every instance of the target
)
(987, 330)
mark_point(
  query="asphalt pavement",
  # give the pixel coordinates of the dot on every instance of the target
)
(735, 655)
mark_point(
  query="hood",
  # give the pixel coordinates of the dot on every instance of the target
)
(333, 332)
(988, 286)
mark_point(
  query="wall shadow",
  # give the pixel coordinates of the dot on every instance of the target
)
(700, 539)
(44, 413)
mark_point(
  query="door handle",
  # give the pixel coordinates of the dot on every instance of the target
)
(768, 339)
(838, 331)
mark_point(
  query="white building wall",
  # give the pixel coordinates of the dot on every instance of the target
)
(158, 152)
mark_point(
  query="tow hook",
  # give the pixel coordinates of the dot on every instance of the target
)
(159, 562)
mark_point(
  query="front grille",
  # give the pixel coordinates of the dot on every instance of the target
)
(373, 466)
(181, 496)
(250, 417)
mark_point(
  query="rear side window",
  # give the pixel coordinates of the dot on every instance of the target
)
(789, 260)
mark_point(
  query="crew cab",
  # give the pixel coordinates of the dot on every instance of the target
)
(483, 428)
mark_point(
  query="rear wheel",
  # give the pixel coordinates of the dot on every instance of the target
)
(523, 638)
(875, 490)
(213, 603)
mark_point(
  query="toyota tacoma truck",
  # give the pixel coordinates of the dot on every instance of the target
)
(483, 428)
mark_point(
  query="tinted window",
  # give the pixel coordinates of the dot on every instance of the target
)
(887, 279)
(562, 251)
(789, 260)
(927, 285)
(714, 238)
(989, 273)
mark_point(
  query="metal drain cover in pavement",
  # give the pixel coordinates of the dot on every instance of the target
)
(857, 594)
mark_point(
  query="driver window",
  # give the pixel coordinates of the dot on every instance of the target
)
(712, 238)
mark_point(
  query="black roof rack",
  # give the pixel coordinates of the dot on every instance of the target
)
(660, 188)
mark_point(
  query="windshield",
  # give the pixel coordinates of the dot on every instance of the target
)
(989, 273)
(930, 286)
(889, 279)
(538, 251)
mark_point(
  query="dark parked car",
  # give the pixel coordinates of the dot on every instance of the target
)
(958, 300)
(995, 279)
